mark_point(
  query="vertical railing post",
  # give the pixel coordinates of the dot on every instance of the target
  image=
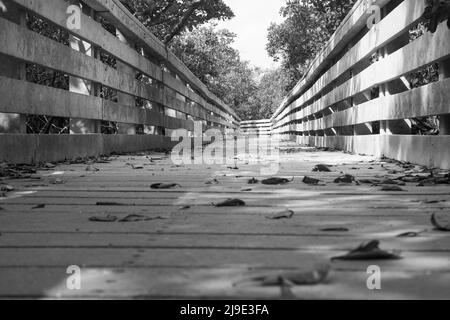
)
(123, 98)
(12, 68)
(81, 86)
(444, 120)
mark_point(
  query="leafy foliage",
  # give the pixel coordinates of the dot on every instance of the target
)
(208, 53)
(307, 27)
(164, 17)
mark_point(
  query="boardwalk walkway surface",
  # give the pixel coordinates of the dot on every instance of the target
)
(192, 249)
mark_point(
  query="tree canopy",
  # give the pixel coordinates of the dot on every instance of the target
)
(168, 18)
(307, 27)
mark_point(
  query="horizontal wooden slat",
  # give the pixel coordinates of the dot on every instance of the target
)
(425, 101)
(30, 98)
(36, 148)
(93, 32)
(133, 29)
(399, 20)
(26, 45)
(429, 48)
(352, 24)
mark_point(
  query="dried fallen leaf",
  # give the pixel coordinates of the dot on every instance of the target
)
(230, 203)
(369, 181)
(276, 181)
(441, 221)
(6, 188)
(369, 251)
(322, 168)
(316, 276)
(109, 204)
(246, 190)
(411, 234)
(391, 188)
(39, 206)
(108, 218)
(285, 214)
(212, 181)
(49, 165)
(253, 181)
(137, 167)
(92, 168)
(310, 181)
(57, 181)
(165, 185)
(286, 289)
(337, 229)
(347, 178)
(140, 218)
(184, 208)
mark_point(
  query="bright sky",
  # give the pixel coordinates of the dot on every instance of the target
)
(251, 21)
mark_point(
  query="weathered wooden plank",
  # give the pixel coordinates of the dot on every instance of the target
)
(43, 148)
(105, 258)
(428, 100)
(319, 242)
(211, 283)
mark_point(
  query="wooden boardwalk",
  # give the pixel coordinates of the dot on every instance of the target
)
(200, 251)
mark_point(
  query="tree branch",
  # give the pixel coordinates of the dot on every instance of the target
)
(183, 21)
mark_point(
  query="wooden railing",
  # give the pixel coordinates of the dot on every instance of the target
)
(359, 95)
(149, 91)
(256, 127)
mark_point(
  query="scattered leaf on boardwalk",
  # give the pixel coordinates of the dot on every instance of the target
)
(410, 234)
(139, 218)
(318, 275)
(108, 218)
(369, 181)
(49, 165)
(184, 207)
(391, 188)
(276, 181)
(112, 204)
(165, 186)
(137, 167)
(322, 168)
(253, 181)
(6, 188)
(441, 221)
(92, 169)
(285, 214)
(212, 181)
(369, 251)
(57, 181)
(390, 182)
(310, 181)
(1, 209)
(230, 203)
(39, 206)
(286, 289)
(347, 178)
(246, 190)
(336, 229)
